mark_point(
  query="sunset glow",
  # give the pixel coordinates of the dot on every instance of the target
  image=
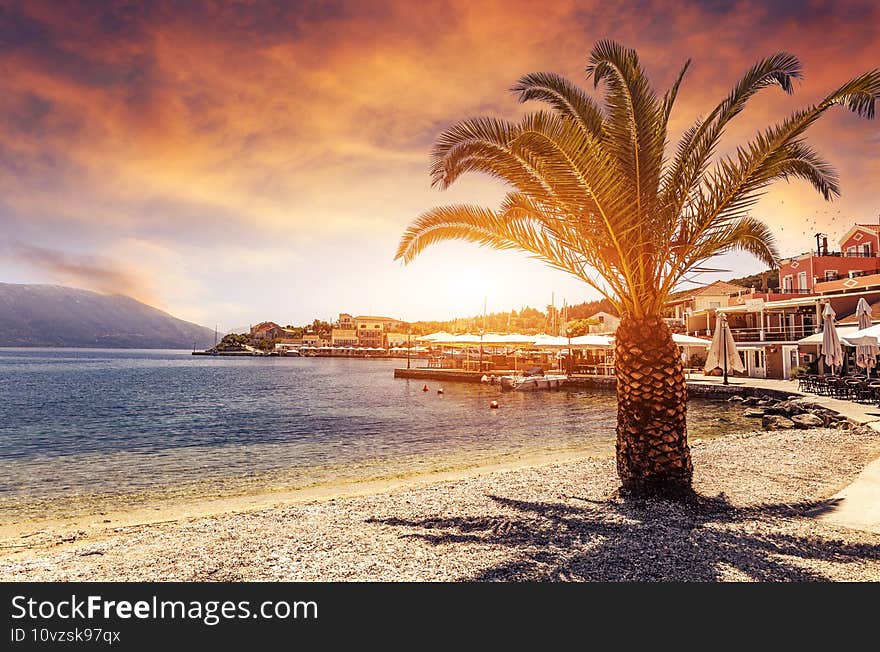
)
(234, 162)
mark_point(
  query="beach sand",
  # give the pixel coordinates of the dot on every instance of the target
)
(538, 519)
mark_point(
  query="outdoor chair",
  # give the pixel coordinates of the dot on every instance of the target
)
(865, 392)
(853, 388)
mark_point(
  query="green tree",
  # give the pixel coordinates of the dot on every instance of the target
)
(594, 194)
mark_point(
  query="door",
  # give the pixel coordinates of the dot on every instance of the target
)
(757, 364)
(789, 360)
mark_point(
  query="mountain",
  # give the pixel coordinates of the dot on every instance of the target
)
(52, 315)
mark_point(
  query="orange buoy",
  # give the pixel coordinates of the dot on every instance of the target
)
(425, 388)
(494, 405)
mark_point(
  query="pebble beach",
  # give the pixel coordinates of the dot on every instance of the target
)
(762, 517)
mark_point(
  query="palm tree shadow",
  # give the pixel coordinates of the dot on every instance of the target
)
(642, 540)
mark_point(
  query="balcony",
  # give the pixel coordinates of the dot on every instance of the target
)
(789, 334)
(803, 291)
(745, 335)
(848, 254)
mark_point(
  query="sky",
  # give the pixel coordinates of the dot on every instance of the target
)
(231, 162)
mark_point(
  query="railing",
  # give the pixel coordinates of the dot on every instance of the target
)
(837, 277)
(804, 291)
(770, 335)
(848, 254)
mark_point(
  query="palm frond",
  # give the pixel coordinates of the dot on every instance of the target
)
(566, 98)
(700, 142)
(589, 186)
(493, 229)
(633, 116)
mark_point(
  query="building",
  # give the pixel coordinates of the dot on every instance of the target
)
(345, 322)
(605, 323)
(386, 324)
(267, 330)
(397, 339)
(314, 340)
(370, 334)
(344, 336)
(768, 324)
(859, 255)
(371, 330)
(698, 302)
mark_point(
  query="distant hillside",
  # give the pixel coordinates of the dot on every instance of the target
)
(770, 278)
(52, 315)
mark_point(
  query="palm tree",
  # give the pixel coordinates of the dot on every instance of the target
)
(595, 193)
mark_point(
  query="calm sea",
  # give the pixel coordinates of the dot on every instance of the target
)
(124, 427)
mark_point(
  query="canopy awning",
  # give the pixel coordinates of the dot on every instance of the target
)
(865, 336)
(843, 332)
(592, 342)
(687, 340)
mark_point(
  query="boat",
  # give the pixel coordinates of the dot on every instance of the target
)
(530, 383)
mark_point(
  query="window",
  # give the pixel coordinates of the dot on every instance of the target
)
(851, 251)
(866, 249)
(787, 283)
(830, 274)
(714, 305)
(802, 281)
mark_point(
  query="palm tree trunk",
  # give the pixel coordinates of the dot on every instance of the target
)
(653, 457)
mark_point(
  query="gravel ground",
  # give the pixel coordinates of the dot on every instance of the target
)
(758, 521)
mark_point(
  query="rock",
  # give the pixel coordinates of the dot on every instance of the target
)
(842, 425)
(808, 420)
(750, 400)
(736, 398)
(777, 409)
(766, 402)
(753, 413)
(776, 422)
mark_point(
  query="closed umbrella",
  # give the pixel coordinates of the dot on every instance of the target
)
(831, 348)
(722, 352)
(866, 354)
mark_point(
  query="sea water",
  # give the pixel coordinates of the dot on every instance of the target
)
(116, 428)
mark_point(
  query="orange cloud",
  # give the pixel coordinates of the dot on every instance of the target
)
(289, 125)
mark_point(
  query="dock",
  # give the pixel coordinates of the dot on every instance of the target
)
(453, 375)
(462, 376)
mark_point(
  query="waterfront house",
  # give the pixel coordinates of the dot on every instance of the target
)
(371, 330)
(340, 337)
(858, 256)
(314, 340)
(267, 330)
(385, 324)
(683, 306)
(397, 339)
(603, 323)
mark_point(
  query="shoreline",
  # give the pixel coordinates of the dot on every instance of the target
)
(177, 509)
(767, 498)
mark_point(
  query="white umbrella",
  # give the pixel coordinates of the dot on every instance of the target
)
(722, 342)
(544, 341)
(466, 339)
(866, 354)
(865, 336)
(831, 348)
(435, 337)
(687, 340)
(592, 342)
